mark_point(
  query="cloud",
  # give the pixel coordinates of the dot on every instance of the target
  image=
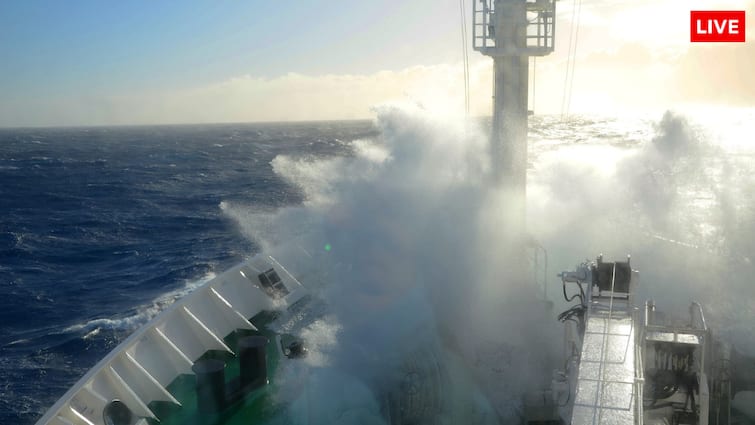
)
(638, 57)
(295, 97)
(718, 74)
(246, 98)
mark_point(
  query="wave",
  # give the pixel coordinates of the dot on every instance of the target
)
(406, 233)
(140, 315)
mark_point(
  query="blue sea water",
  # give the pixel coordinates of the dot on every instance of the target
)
(100, 227)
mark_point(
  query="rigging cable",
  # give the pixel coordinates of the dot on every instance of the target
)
(568, 57)
(534, 81)
(465, 56)
(574, 60)
(571, 57)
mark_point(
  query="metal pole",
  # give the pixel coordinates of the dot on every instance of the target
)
(509, 132)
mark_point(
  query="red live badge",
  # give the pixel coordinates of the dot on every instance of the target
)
(717, 26)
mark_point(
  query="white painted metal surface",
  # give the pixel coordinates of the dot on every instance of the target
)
(139, 370)
(488, 29)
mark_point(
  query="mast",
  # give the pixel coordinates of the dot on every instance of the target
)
(510, 31)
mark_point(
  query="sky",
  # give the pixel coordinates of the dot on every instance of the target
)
(145, 62)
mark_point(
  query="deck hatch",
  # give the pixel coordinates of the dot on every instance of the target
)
(272, 283)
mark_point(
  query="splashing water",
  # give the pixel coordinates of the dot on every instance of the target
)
(403, 238)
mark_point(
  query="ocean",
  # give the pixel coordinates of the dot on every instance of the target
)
(103, 227)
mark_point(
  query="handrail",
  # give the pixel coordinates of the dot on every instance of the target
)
(639, 373)
(602, 372)
(677, 330)
(702, 315)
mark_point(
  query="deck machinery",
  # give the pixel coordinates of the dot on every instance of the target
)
(627, 365)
